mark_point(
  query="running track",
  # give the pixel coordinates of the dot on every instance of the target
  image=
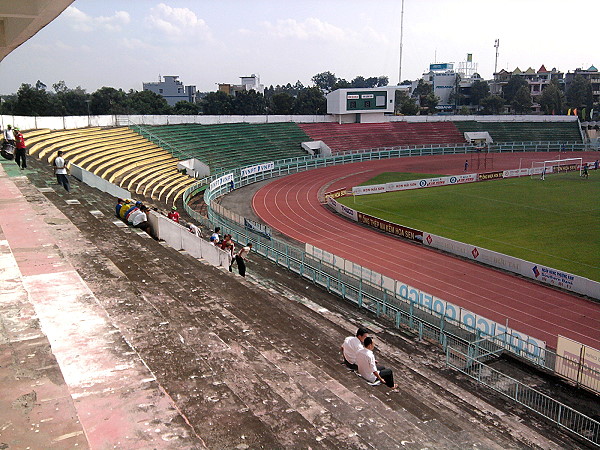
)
(291, 205)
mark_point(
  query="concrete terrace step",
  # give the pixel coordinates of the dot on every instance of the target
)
(231, 362)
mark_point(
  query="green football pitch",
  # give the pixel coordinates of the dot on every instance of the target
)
(555, 222)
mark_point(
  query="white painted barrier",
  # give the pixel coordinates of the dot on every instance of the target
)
(97, 182)
(544, 274)
(514, 340)
(179, 238)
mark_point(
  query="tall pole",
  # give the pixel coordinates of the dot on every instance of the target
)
(401, 38)
(497, 45)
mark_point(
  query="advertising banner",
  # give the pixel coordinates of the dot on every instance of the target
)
(527, 269)
(415, 184)
(342, 209)
(372, 189)
(221, 181)
(258, 228)
(490, 176)
(579, 363)
(336, 194)
(389, 227)
(252, 170)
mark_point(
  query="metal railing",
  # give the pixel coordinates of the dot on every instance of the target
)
(561, 415)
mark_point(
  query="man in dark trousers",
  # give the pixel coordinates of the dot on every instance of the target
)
(240, 258)
(60, 170)
(365, 360)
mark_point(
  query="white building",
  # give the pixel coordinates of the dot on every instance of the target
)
(251, 83)
(172, 89)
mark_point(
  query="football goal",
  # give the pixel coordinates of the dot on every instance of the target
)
(542, 168)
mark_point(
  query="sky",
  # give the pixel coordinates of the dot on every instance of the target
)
(121, 44)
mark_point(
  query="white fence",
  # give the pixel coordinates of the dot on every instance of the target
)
(179, 238)
(70, 122)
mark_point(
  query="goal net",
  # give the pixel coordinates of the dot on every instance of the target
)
(542, 168)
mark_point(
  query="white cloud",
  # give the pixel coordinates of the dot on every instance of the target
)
(178, 23)
(317, 29)
(81, 21)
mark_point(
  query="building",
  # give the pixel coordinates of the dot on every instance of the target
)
(172, 89)
(590, 74)
(537, 81)
(251, 83)
(451, 86)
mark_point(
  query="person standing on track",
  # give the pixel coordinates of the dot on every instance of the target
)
(466, 165)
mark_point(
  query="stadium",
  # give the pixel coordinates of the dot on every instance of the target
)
(112, 338)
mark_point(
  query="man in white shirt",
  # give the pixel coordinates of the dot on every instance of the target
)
(215, 238)
(240, 258)
(60, 170)
(141, 219)
(365, 360)
(351, 346)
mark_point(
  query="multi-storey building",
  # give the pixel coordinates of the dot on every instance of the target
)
(590, 74)
(172, 89)
(251, 83)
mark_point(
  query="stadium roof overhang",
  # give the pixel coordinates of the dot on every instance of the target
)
(21, 19)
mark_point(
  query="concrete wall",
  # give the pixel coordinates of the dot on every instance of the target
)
(70, 122)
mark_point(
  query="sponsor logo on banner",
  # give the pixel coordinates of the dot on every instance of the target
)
(514, 340)
(373, 189)
(257, 169)
(515, 173)
(389, 227)
(336, 194)
(221, 181)
(352, 96)
(258, 228)
(566, 168)
(490, 176)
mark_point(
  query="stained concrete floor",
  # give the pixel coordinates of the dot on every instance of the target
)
(111, 339)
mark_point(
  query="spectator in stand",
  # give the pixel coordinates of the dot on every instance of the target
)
(215, 238)
(173, 214)
(9, 135)
(194, 229)
(141, 220)
(229, 247)
(240, 259)
(351, 346)
(61, 171)
(20, 151)
(365, 360)
(118, 207)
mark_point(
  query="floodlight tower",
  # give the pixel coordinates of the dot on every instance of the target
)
(401, 38)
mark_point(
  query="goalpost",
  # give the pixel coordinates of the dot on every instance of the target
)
(543, 168)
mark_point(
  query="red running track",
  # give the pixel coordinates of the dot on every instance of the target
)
(291, 205)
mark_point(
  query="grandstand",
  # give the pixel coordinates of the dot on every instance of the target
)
(355, 136)
(119, 155)
(226, 146)
(525, 131)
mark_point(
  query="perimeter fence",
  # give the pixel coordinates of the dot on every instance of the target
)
(422, 320)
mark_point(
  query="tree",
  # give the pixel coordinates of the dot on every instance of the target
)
(324, 81)
(405, 104)
(492, 104)
(382, 80)
(552, 99)
(579, 94)
(247, 103)
(282, 103)
(31, 101)
(479, 90)
(108, 100)
(522, 102)
(514, 84)
(147, 102)
(186, 108)
(425, 97)
(310, 101)
(217, 103)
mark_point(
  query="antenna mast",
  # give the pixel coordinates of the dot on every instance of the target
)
(496, 45)
(401, 38)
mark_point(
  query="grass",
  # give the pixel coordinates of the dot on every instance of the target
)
(555, 222)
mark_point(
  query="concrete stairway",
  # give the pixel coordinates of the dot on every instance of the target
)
(160, 350)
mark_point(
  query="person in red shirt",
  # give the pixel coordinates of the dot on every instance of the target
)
(20, 152)
(174, 215)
